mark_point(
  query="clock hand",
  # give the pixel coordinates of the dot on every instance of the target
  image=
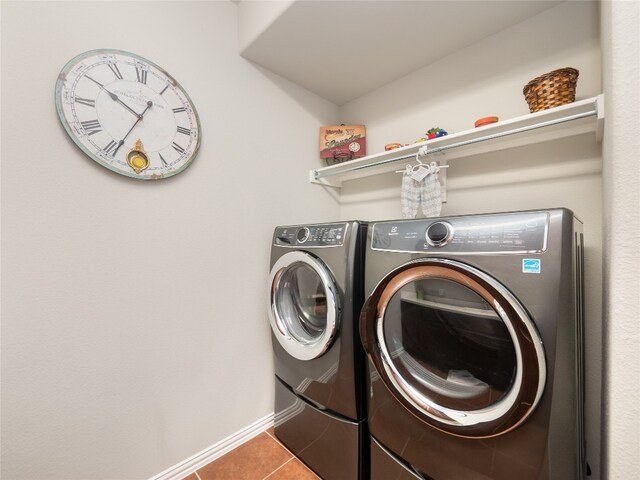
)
(113, 96)
(121, 142)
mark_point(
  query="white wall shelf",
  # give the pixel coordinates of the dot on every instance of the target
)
(576, 118)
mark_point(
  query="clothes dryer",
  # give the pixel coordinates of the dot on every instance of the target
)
(473, 330)
(315, 298)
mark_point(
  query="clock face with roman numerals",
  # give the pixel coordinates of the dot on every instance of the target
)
(127, 114)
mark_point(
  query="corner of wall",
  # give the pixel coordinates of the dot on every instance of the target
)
(255, 17)
(621, 300)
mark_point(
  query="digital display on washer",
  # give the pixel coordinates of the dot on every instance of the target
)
(501, 233)
(324, 235)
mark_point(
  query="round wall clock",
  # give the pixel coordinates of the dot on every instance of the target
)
(127, 114)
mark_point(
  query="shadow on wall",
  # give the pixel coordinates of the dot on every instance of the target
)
(498, 66)
(323, 110)
(549, 161)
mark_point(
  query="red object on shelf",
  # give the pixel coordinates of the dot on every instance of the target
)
(485, 121)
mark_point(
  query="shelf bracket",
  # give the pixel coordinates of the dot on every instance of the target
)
(314, 178)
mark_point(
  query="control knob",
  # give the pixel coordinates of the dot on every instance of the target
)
(439, 234)
(302, 235)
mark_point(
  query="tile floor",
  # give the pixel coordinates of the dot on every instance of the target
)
(261, 458)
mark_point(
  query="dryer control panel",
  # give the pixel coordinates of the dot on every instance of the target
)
(500, 233)
(323, 235)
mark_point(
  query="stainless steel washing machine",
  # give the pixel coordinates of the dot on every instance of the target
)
(473, 330)
(315, 298)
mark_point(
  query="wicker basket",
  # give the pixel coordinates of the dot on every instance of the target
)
(551, 89)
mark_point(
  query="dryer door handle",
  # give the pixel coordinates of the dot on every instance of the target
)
(367, 324)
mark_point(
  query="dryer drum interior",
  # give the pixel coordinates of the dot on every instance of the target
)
(455, 347)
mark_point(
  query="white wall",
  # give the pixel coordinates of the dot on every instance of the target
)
(621, 174)
(104, 379)
(487, 79)
(134, 330)
(254, 17)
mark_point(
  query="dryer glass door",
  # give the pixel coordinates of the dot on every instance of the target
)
(456, 348)
(304, 305)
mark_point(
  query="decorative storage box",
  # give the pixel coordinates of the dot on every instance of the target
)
(342, 142)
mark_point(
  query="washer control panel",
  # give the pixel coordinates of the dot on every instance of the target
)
(323, 235)
(500, 233)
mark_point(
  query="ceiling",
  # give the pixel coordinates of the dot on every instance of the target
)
(344, 49)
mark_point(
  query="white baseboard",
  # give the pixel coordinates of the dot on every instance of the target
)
(208, 455)
(288, 413)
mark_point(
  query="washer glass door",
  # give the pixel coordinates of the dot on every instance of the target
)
(456, 348)
(304, 305)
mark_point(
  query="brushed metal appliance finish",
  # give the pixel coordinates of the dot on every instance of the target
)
(315, 296)
(432, 321)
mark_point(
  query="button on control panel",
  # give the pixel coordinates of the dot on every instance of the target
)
(324, 235)
(500, 233)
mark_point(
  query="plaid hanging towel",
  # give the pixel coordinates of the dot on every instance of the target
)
(431, 196)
